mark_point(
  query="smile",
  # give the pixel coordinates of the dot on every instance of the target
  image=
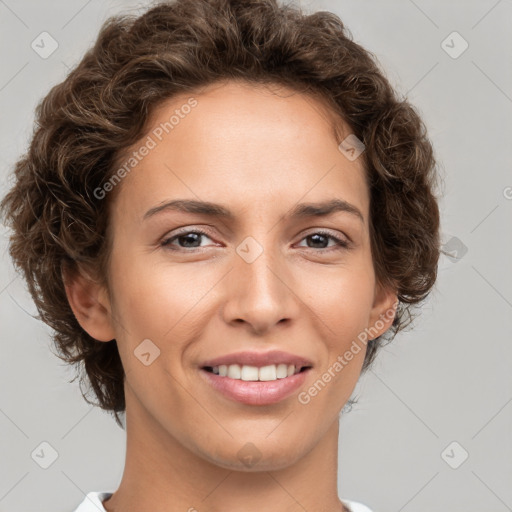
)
(246, 389)
(267, 373)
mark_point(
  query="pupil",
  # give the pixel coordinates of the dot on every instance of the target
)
(188, 236)
(316, 237)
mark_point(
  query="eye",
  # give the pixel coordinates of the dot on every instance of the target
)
(323, 237)
(189, 239)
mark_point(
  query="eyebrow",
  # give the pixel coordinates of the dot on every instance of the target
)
(299, 211)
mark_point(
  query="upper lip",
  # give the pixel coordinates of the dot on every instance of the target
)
(259, 359)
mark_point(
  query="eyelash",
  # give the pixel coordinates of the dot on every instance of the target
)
(340, 243)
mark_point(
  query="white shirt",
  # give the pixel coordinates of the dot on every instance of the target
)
(93, 503)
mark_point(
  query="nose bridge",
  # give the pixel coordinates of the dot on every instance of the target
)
(261, 275)
(258, 293)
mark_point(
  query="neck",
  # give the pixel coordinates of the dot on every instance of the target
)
(162, 474)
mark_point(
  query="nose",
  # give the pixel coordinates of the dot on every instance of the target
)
(259, 295)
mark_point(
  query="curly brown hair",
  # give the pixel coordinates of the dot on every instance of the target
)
(86, 122)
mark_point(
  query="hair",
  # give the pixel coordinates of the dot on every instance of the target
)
(86, 122)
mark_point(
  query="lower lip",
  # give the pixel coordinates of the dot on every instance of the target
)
(256, 392)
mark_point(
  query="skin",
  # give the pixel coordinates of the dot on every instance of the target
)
(258, 152)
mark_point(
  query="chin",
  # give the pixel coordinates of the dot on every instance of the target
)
(249, 458)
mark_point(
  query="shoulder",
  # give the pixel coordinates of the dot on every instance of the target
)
(355, 506)
(93, 501)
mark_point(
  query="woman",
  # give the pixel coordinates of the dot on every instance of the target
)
(224, 212)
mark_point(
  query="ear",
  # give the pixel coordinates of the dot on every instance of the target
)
(383, 311)
(90, 303)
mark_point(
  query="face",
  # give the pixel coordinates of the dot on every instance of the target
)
(189, 287)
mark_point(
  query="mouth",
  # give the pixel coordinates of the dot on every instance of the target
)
(251, 385)
(249, 373)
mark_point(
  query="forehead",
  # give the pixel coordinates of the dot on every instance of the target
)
(244, 143)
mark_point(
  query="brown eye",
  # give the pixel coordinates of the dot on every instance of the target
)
(185, 239)
(320, 240)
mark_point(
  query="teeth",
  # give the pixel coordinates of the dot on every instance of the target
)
(253, 373)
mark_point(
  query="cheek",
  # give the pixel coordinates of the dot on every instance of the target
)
(342, 299)
(342, 305)
(158, 301)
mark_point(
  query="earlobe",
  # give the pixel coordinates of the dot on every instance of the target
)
(383, 312)
(89, 302)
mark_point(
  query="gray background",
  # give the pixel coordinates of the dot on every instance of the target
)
(447, 380)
